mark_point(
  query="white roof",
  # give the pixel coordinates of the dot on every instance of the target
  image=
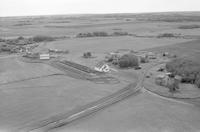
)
(168, 73)
(160, 76)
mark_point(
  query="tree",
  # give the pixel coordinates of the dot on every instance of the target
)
(20, 38)
(87, 55)
(128, 60)
(188, 69)
(197, 81)
(42, 38)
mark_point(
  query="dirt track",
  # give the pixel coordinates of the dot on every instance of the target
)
(143, 112)
(66, 118)
(63, 119)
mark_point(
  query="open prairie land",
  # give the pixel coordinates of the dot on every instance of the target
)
(141, 113)
(140, 24)
(108, 44)
(37, 99)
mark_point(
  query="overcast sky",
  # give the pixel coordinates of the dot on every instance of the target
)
(47, 7)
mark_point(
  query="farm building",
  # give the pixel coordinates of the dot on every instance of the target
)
(168, 81)
(161, 69)
(143, 58)
(44, 56)
(113, 57)
(102, 67)
(58, 51)
(166, 54)
(169, 55)
(151, 55)
(162, 80)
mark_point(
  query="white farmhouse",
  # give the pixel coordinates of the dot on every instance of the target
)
(102, 67)
(151, 55)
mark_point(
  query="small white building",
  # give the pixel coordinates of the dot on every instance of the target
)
(102, 67)
(162, 80)
(151, 55)
(44, 56)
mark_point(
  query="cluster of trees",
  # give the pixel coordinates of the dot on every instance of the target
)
(128, 60)
(189, 70)
(167, 35)
(93, 34)
(87, 55)
(120, 33)
(9, 48)
(170, 18)
(41, 38)
(19, 41)
(2, 40)
(24, 41)
(189, 26)
(101, 34)
(15, 45)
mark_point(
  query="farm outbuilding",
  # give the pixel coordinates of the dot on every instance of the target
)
(44, 56)
(58, 51)
(162, 80)
(102, 67)
(113, 57)
(168, 81)
(151, 55)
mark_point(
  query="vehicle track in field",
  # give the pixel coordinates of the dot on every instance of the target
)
(65, 118)
(68, 117)
(31, 78)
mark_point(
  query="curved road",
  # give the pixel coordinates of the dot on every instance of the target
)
(145, 112)
(55, 123)
(66, 118)
(142, 113)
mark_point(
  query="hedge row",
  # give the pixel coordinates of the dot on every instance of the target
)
(101, 34)
(24, 41)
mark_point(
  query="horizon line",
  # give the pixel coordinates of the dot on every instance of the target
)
(84, 14)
